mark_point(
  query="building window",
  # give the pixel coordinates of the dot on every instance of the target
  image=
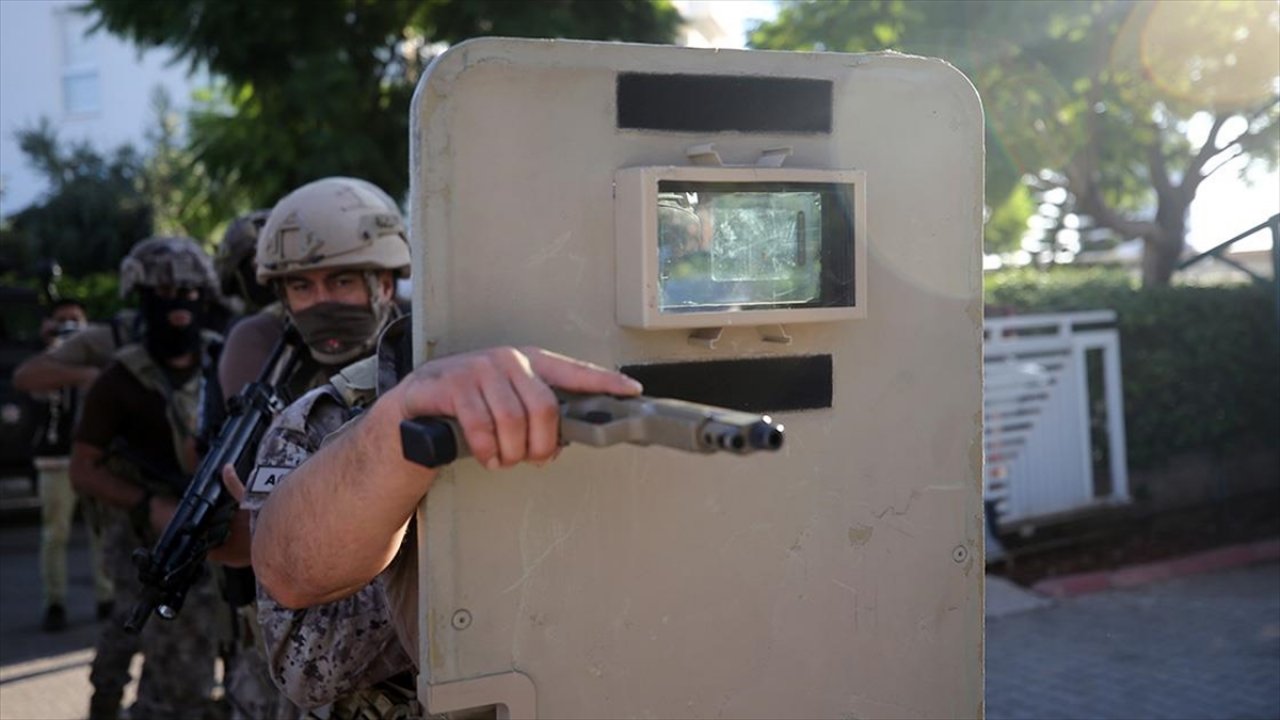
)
(81, 80)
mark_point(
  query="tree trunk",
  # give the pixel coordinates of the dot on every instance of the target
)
(1160, 254)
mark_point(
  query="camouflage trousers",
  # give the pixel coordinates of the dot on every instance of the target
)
(178, 655)
(389, 700)
(392, 699)
(250, 692)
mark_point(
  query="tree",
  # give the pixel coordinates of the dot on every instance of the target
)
(185, 200)
(95, 209)
(1124, 108)
(323, 87)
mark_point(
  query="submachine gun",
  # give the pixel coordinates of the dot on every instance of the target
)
(602, 420)
(204, 514)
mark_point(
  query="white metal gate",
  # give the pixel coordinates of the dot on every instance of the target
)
(1039, 445)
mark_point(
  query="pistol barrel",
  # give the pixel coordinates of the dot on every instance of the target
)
(603, 420)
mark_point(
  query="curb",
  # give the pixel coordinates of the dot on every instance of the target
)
(1232, 556)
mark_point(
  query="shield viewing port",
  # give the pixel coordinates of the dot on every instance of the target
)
(736, 246)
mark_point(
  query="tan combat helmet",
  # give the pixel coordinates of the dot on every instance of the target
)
(175, 261)
(335, 222)
(238, 245)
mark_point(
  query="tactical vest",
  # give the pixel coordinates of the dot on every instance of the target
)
(358, 385)
(182, 404)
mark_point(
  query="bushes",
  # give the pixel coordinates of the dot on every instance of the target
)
(1201, 365)
(99, 292)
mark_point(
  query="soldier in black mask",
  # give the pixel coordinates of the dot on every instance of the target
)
(134, 451)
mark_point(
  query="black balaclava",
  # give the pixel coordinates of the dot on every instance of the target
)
(163, 340)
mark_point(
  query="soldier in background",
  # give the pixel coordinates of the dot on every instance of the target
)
(77, 360)
(57, 498)
(249, 693)
(134, 450)
(237, 271)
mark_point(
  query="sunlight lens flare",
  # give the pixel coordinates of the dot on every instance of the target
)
(1219, 53)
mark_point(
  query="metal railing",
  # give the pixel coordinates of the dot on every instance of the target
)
(1218, 252)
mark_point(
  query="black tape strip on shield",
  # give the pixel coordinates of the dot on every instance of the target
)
(758, 385)
(718, 103)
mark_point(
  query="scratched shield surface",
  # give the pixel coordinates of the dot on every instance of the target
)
(840, 577)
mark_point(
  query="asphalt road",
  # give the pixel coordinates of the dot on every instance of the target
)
(1204, 646)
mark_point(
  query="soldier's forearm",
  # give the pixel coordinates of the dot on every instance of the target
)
(340, 519)
(42, 373)
(90, 478)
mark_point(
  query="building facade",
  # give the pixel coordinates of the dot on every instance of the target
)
(92, 86)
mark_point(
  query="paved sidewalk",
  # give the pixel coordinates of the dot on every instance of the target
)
(45, 676)
(1204, 646)
(1200, 646)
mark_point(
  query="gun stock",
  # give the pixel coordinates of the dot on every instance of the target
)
(603, 420)
(203, 516)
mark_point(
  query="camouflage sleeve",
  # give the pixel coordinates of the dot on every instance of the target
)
(92, 346)
(319, 654)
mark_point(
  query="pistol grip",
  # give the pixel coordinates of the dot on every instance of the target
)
(429, 441)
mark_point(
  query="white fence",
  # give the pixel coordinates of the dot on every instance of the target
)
(1044, 436)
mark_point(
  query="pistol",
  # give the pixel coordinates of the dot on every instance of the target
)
(603, 420)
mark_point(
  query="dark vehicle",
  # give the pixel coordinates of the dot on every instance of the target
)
(20, 315)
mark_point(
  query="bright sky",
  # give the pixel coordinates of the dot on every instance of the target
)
(734, 14)
(1224, 206)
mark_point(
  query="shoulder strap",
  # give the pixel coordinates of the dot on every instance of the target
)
(276, 310)
(357, 383)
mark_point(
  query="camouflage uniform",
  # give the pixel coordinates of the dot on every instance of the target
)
(321, 654)
(250, 692)
(359, 228)
(96, 345)
(177, 675)
(141, 400)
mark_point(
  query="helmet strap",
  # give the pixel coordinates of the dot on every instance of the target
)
(381, 308)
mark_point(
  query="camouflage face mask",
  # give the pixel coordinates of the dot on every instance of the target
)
(336, 332)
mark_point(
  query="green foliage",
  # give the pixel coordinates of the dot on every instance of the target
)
(323, 87)
(99, 204)
(99, 292)
(95, 208)
(1008, 222)
(1093, 97)
(1199, 363)
(15, 252)
(186, 201)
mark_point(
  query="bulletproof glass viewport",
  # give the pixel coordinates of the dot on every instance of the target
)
(721, 246)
